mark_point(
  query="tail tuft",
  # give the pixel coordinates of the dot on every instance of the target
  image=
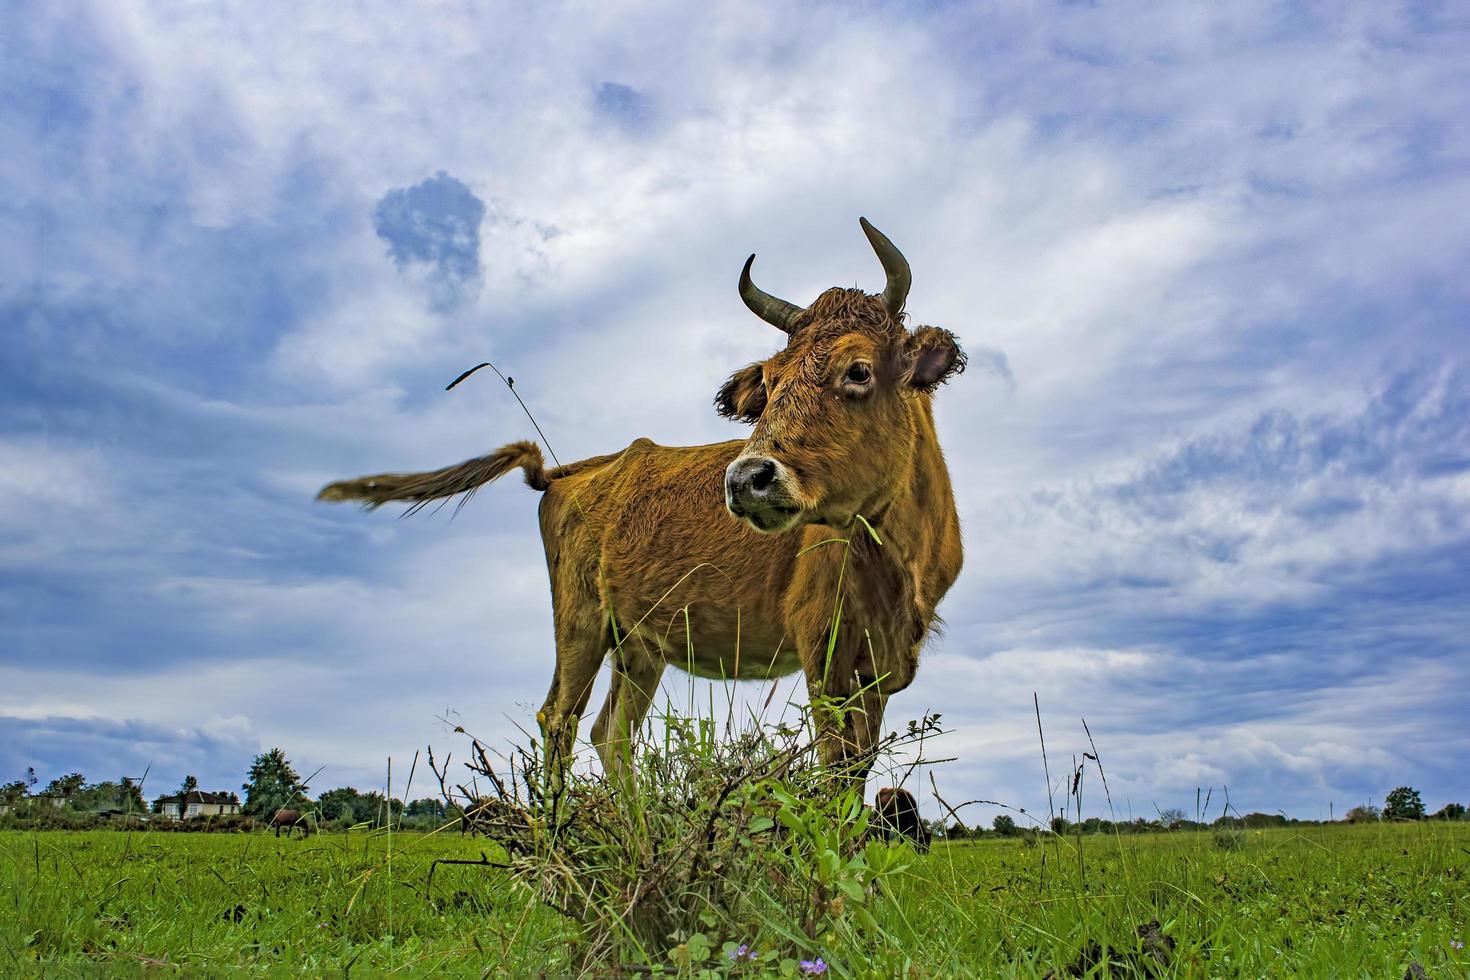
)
(465, 478)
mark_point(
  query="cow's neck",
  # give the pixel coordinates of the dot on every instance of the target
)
(915, 513)
(894, 587)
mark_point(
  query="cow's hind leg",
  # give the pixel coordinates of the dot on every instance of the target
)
(580, 644)
(635, 678)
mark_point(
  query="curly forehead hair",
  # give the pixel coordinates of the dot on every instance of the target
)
(844, 310)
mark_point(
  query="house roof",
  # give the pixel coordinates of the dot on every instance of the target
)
(198, 796)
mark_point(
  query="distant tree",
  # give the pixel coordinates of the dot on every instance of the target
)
(1171, 817)
(1096, 825)
(427, 807)
(121, 795)
(1403, 803)
(1450, 811)
(1004, 825)
(1059, 825)
(189, 785)
(130, 796)
(374, 807)
(347, 804)
(1367, 813)
(65, 786)
(1257, 820)
(13, 793)
(272, 784)
(340, 804)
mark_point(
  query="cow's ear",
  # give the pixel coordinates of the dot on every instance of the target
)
(934, 356)
(743, 397)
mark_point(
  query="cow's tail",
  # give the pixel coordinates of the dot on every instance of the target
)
(420, 489)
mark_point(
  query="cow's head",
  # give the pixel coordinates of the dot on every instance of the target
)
(838, 412)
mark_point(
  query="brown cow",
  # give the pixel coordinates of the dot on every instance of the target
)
(291, 820)
(898, 815)
(707, 557)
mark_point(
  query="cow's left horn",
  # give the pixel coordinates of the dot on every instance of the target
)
(776, 312)
(894, 264)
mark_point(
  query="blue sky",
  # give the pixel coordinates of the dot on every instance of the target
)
(1212, 457)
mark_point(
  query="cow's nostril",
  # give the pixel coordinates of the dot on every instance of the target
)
(751, 481)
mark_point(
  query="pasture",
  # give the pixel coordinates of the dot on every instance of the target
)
(1316, 901)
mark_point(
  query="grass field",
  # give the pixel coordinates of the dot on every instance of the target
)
(1316, 901)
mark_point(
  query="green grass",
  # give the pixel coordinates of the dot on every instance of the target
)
(1310, 901)
(308, 906)
(1313, 901)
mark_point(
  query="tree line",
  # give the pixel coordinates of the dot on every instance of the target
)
(271, 784)
(1402, 803)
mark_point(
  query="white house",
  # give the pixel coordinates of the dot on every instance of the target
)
(198, 804)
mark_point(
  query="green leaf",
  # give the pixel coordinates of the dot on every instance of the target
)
(784, 796)
(822, 542)
(791, 820)
(871, 531)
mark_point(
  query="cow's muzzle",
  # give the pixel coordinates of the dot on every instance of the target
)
(758, 490)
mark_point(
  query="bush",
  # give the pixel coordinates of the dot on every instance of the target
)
(1257, 821)
(958, 831)
(707, 851)
(1229, 839)
(40, 814)
(1004, 825)
(225, 823)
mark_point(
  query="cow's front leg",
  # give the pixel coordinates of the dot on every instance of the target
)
(847, 709)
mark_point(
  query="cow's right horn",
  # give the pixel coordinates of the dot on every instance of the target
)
(777, 312)
(895, 266)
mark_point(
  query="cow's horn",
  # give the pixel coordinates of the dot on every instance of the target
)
(776, 312)
(894, 264)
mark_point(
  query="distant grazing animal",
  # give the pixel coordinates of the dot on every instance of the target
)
(898, 815)
(290, 820)
(727, 560)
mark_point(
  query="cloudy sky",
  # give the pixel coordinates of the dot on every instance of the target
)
(1212, 455)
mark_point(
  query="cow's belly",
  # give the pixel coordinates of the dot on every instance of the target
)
(751, 664)
(721, 650)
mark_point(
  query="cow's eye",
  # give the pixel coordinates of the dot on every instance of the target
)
(858, 374)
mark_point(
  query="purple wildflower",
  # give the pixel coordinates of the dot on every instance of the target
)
(1456, 944)
(813, 967)
(741, 952)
